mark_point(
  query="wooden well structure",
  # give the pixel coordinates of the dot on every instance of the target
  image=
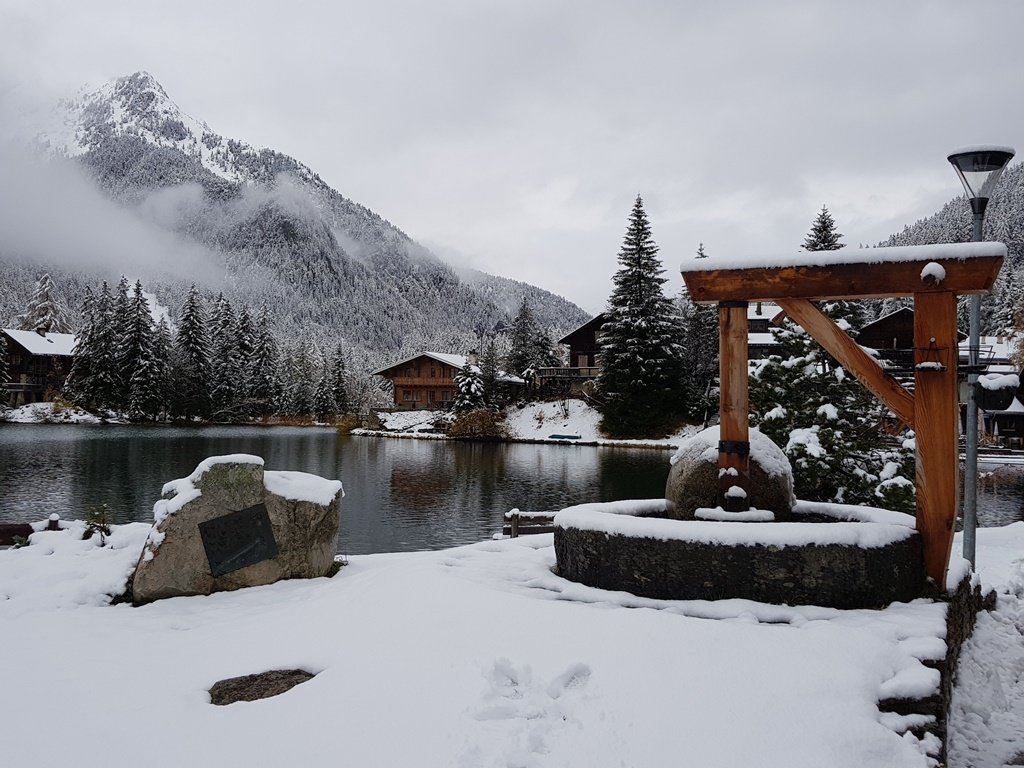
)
(934, 275)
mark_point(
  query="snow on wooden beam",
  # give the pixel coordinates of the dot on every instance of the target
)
(844, 279)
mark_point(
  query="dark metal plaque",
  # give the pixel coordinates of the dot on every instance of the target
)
(238, 539)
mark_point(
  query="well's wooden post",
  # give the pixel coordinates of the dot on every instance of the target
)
(734, 436)
(936, 408)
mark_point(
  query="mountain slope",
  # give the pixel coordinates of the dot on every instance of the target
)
(1004, 221)
(324, 265)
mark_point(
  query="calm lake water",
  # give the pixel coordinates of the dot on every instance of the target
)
(401, 495)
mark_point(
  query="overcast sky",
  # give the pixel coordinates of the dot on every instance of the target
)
(514, 136)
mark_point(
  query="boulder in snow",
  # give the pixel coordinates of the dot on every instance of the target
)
(231, 524)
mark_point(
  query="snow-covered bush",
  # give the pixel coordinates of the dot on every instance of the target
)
(481, 424)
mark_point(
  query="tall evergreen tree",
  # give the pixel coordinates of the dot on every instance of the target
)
(245, 345)
(699, 351)
(45, 312)
(827, 423)
(325, 407)
(190, 367)
(523, 336)
(823, 235)
(225, 366)
(94, 381)
(263, 375)
(489, 375)
(136, 357)
(339, 382)
(641, 372)
(297, 376)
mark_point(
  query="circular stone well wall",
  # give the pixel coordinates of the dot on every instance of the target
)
(836, 564)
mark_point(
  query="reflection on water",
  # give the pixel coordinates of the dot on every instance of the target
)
(1000, 494)
(401, 495)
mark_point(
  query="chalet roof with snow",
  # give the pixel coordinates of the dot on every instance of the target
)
(456, 361)
(55, 344)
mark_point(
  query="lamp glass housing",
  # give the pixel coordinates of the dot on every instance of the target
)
(979, 169)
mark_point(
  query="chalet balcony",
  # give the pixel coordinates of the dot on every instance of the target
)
(569, 373)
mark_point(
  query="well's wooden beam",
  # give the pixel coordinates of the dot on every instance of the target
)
(733, 405)
(851, 357)
(936, 409)
(843, 281)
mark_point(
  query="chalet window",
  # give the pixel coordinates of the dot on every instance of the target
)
(433, 372)
(407, 395)
(410, 371)
(416, 396)
(431, 395)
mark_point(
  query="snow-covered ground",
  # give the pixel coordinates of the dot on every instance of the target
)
(475, 656)
(47, 413)
(537, 421)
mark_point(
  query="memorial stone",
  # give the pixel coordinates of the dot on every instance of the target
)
(231, 524)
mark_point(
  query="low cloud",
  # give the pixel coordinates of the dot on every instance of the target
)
(52, 212)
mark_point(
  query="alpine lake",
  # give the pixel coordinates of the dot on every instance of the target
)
(401, 495)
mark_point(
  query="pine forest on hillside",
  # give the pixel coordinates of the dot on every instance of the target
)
(326, 269)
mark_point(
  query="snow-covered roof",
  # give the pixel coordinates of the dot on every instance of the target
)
(768, 310)
(58, 344)
(442, 357)
(956, 251)
(1002, 348)
(456, 361)
(764, 339)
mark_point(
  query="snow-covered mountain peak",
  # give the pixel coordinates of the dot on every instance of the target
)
(137, 105)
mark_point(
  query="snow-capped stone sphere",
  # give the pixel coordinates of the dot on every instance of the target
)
(693, 480)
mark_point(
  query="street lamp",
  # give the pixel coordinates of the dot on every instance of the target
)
(979, 169)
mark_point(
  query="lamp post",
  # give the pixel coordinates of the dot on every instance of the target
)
(979, 169)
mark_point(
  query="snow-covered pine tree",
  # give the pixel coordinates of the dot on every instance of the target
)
(225, 367)
(489, 376)
(190, 366)
(263, 375)
(339, 382)
(523, 337)
(827, 423)
(94, 382)
(469, 389)
(325, 408)
(641, 377)
(297, 377)
(245, 343)
(45, 313)
(823, 235)
(136, 357)
(699, 351)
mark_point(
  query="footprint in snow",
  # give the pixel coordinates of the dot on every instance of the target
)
(528, 710)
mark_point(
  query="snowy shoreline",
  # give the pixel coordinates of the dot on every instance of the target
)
(509, 664)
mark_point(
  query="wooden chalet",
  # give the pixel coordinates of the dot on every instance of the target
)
(584, 359)
(427, 380)
(38, 362)
(424, 381)
(762, 316)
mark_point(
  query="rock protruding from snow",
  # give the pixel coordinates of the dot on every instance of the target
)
(693, 480)
(228, 498)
